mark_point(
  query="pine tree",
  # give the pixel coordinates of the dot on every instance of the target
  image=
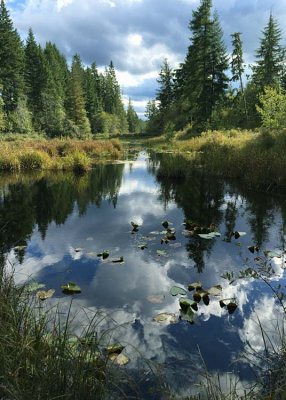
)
(165, 93)
(75, 102)
(36, 74)
(201, 80)
(11, 61)
(237, 66)
(93, 101)
(132, 119)
(269, 56)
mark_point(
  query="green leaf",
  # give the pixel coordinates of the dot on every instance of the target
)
(165, 318)
(114, 349)
(34, 286)
(104, 254)
(230, 304)
(165, 224)
(71, 288)
(142, 246)
(175, 290)
(187, 315)
(119, 260)
(186, 303)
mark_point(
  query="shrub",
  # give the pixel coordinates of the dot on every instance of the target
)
(77, 161)
(32, 160)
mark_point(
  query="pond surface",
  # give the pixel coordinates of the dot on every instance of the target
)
(65, 221)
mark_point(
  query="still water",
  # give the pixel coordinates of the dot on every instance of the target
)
(64, 221)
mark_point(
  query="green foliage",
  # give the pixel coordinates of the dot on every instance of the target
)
(77, 161)
(132, 119)
(20, 120)
(34, 160)
(272, 108)
(169, 131)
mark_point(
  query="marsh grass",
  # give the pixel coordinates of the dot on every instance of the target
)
(23, 154)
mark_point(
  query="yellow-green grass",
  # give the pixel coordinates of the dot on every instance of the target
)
(42, 154)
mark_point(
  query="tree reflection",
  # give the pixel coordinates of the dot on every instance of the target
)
(33, 201)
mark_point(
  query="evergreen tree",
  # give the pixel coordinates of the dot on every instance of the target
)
(269, 56)
(36, 74)
(93, 101)
(237, 66)
(201, 80)
(75, 103)
(165, 93)
(11, 61)
(132, 119)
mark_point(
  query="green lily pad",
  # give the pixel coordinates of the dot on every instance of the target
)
(171, 236)
(187, 315)
(195, 286)
(114, 349)
(162, 253)
(165, 318)
(165, 224)
(104, 254)
(34, 286)
(230, 304)
(186, 303)
(253, 248)
(201, 294)
(175, 290)
(71, 288)
(44, 295)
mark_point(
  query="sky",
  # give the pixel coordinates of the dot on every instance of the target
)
(137, 35)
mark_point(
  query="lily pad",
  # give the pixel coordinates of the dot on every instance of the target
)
(201, 294)
(119, 359)
(252, 249)
(215, 290)
(165, 318)
(186, 303)
(171, 236)
(119, 260)
(175, 290)
(114, 349)
(44, 295)
(272, 254)
(104, 254)
(209, 236)
(195, 286)
(165, 224)
(162, 253)
(230, 304)
(156, 298)
(34, 286)
(71, 288)
(238, 234)
(142, 246)
(187, 315)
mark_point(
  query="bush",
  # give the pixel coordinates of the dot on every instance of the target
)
(34, 160)
(77, 161)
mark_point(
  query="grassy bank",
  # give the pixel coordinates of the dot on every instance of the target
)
(256, 158)
(24, 154)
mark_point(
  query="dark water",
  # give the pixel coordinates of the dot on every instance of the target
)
(65, 220)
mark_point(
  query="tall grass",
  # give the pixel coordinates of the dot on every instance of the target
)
(41, 154)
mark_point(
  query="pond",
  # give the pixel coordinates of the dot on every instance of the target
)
(54, 226)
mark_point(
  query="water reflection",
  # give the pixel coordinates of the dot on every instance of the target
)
(55, 216)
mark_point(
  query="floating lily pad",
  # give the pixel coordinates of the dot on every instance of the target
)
(201, 294)
(215, 290)
(187, 315)
(195, 286)
(230, 304)
(175, 290)
(238, 234)
(71, 288)
(134, 225)
(166, 241)
(272, 254)
(165, 318)
(142, 246)
(156, 298)
(162, 253)
(44, 295)
(119, 359)
(34, 286)
(209, 236)
(119, 260)
(171, 236)
(186, 303)
(252, 249)
(165, 224)
(114, 349)
(104, 254)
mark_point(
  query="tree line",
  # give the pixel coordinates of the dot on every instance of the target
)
(210, 90)
(39, 92)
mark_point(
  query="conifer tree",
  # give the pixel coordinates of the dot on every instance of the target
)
(132, 119)
(269, 56)
(11, 61)
(165, 93)
(75, 102)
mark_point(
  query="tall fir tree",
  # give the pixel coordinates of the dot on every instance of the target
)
(75, 102)
(202, 80)
(269, 56)
(92, 94)
(132, 119)
(11, 61)
(165, 93)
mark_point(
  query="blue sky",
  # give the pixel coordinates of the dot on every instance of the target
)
(137, 34)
